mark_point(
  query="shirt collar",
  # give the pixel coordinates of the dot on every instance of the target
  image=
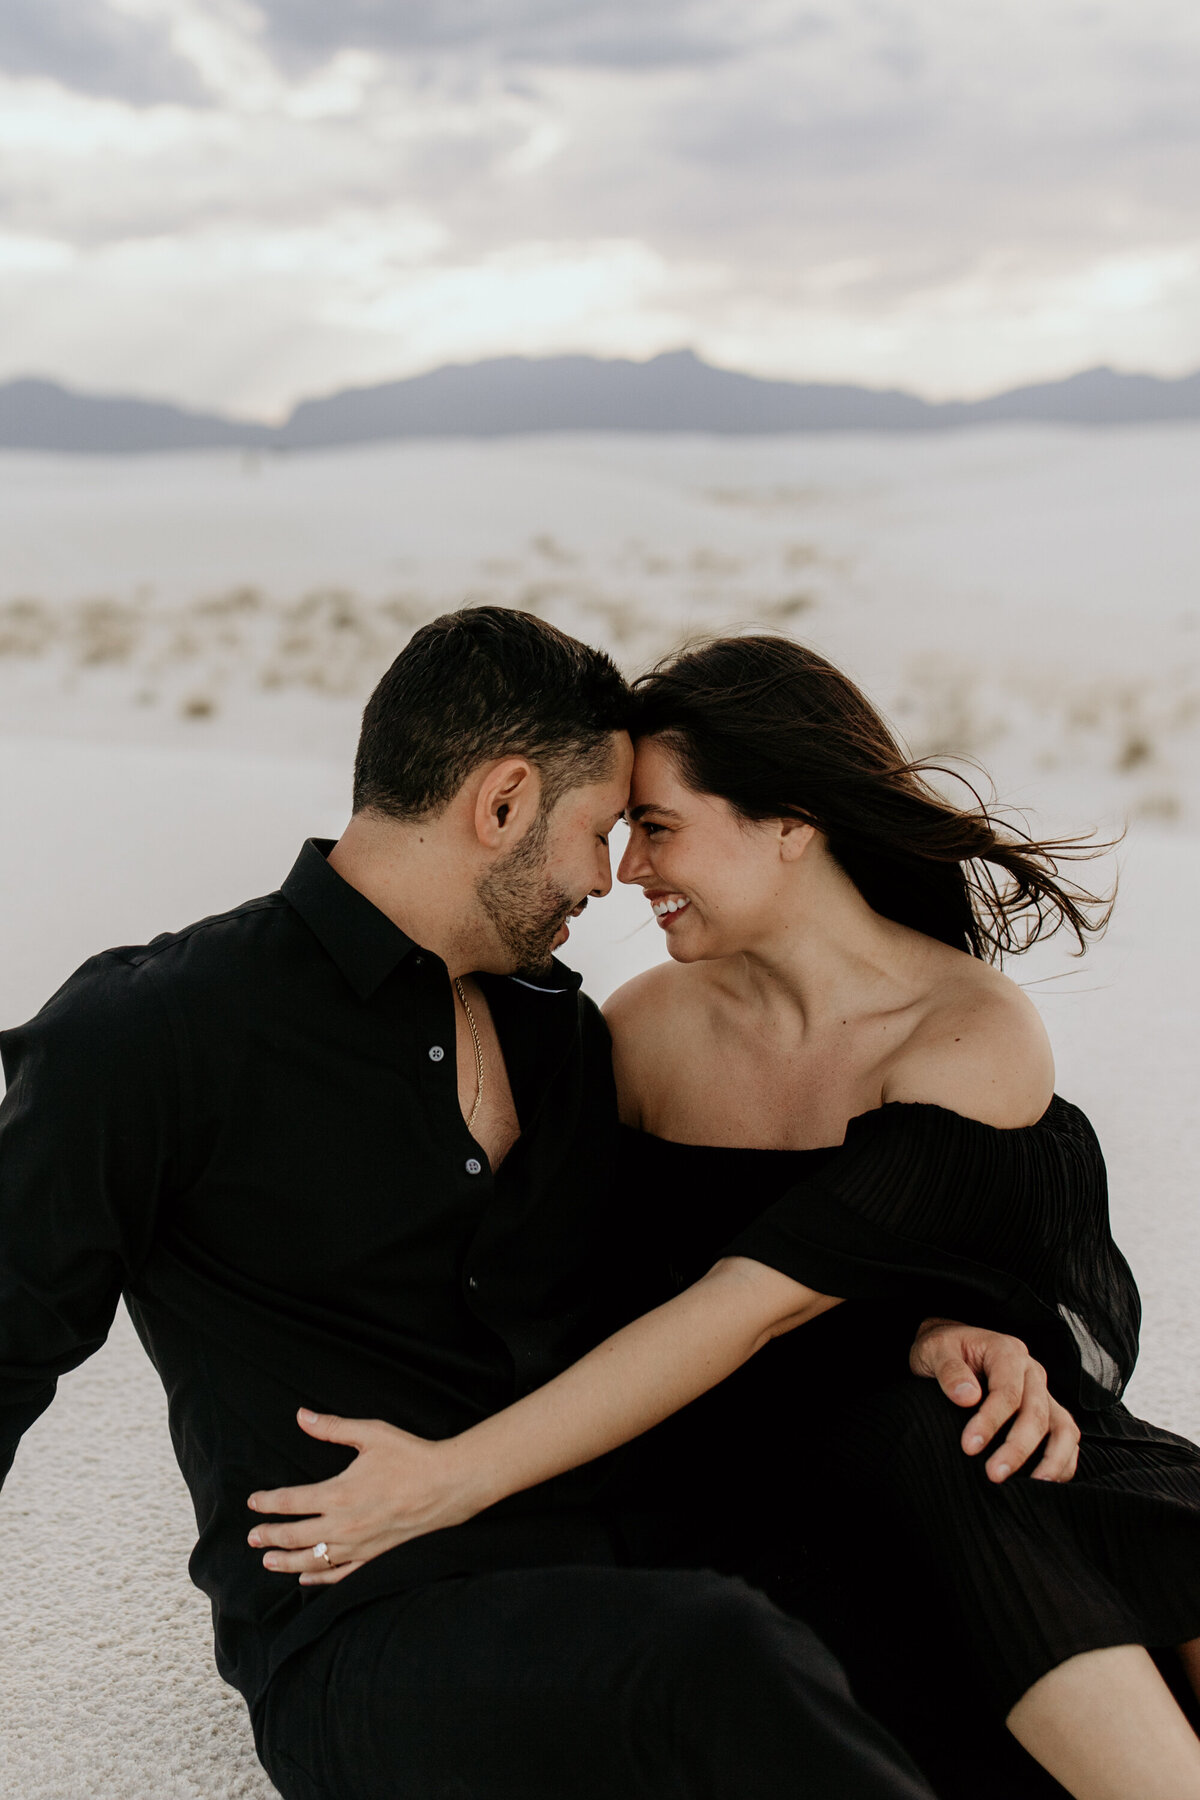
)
(557, 979)
(364, 943)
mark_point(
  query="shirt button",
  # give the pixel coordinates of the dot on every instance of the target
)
(436, 1053)
(473, 1165)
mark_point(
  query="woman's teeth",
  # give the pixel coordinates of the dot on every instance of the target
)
(673, 905)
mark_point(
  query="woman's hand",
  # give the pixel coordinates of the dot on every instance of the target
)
(398, 1487)
(401, 1487)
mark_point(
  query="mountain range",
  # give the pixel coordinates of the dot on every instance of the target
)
(673, 392)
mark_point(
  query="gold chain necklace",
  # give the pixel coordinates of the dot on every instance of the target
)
(478, 1055)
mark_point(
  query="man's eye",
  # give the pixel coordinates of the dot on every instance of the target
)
(649, 827)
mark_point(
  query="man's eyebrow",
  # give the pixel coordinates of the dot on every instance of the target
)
(664, 812)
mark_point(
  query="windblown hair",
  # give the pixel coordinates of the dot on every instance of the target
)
(777, 732)
(477, 685)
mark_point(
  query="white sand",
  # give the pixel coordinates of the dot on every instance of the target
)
(118, 823)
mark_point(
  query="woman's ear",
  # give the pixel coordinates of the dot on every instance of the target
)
(794, 838)
(506, 802)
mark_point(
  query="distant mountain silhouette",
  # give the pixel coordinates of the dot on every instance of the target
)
(41, 415)
(517, 394)
(676, 392)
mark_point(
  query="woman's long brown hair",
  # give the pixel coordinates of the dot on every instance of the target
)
(777, 732)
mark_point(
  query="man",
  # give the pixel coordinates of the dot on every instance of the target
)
(351, 1145)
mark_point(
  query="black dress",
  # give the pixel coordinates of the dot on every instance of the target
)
(825, 1472)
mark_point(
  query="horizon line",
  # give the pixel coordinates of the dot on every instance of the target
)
(271, 423)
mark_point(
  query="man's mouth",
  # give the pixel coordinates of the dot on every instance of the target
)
(668, 906)
(564, 930)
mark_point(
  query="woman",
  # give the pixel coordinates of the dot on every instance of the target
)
(830, 1103)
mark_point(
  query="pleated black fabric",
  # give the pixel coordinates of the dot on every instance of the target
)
(921, 1200)
(828, 1474)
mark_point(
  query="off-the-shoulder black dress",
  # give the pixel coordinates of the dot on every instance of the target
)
(827, 1473)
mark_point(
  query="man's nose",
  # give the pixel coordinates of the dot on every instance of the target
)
(604, 885)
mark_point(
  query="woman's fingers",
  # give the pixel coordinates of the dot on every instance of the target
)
(1061, 1456)
(334, 1430)
(294, 1562)
(308, 1500)
(286, 1537)
(386, 1494)
(314, 1568)
(329, 1577)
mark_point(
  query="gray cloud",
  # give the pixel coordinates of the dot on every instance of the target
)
(879, 134)
(887, 129)
(620, 34)
(86, 46)
(767, 160)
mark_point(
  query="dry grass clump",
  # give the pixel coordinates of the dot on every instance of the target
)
(105, 631)
(1135, 739)
(779, 498)
(27, 628)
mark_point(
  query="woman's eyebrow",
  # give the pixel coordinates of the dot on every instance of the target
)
(639, 812)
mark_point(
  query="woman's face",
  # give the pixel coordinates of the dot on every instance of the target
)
(717, 882)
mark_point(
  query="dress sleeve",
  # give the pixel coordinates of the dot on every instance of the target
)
(86, 1126)
(1006, 1229)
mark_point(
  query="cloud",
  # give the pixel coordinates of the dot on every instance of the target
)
(88, 46)
(622, 34)
(896, 189)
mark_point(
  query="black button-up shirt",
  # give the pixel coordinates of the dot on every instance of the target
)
(251, 1128)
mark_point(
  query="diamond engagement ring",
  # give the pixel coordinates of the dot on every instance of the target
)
(322, 1550)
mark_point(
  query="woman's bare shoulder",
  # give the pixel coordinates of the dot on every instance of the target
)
(649, 1004)
(646, 1017)
(981, 1049)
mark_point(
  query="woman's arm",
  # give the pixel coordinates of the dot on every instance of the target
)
(636, 1378)
(400, 1486)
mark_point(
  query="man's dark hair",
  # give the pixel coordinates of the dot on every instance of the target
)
(477, 685)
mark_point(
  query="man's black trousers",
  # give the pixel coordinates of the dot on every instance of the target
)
(577, 1683)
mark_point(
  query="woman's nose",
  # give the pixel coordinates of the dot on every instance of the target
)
(633, 864)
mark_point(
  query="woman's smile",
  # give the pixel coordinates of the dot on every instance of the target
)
(667, 905)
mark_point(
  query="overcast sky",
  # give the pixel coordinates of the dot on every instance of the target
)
(237, 202)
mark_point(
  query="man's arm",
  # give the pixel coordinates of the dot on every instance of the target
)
(85, 1127)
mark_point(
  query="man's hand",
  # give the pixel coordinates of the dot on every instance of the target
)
(966, 1361)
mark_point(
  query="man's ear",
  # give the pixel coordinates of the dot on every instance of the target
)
(506, 802)
(794, 838)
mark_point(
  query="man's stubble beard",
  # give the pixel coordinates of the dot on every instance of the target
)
(523, 904)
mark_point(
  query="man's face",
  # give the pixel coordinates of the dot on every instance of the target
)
(530, 894)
